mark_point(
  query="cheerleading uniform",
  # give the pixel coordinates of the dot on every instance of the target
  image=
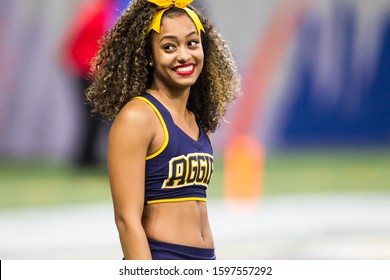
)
(179, 171)
(182, 168)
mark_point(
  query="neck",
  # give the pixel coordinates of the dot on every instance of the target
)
(174, 100)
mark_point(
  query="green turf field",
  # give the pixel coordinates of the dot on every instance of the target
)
(289, 172)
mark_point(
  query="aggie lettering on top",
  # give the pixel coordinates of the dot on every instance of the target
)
(184, 171)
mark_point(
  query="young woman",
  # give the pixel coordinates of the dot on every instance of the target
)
(166, 76)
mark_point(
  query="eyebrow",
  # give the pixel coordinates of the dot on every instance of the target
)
(172, 37)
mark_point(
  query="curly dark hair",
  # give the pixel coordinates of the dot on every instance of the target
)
(121, 71)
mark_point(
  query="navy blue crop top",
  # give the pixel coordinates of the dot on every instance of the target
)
(182, 168)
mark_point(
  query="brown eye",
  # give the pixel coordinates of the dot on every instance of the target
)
(193, 43)
(169, 47)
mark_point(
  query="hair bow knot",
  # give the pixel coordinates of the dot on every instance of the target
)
(164, 5)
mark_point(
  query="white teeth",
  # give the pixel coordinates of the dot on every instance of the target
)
(185, 69)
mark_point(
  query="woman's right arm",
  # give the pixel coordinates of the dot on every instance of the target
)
(128, 142)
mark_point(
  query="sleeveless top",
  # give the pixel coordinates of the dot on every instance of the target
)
(182, 168)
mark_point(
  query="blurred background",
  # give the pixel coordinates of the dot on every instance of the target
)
(302, 160)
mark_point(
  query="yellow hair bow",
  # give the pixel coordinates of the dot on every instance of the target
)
(164, 5)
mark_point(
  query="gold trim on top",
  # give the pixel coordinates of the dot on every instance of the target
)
(177, 200)
(166, 134)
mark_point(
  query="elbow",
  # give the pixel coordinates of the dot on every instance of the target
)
(125, 223)
(121, 221)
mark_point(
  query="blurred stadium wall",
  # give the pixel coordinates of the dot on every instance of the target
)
(314, 72)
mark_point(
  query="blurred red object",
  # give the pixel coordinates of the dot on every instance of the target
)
(88, 26)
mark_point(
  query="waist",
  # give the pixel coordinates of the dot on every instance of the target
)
(184, 223)
(167, 251)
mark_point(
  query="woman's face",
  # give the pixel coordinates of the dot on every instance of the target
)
(177, 53)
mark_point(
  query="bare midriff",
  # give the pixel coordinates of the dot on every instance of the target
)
(183, 223)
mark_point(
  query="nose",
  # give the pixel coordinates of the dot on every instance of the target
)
(183, 55)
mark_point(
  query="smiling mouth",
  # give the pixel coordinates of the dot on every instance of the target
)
(184, 70)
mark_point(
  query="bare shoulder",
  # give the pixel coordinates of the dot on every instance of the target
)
(136, 110)
(136, 119)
